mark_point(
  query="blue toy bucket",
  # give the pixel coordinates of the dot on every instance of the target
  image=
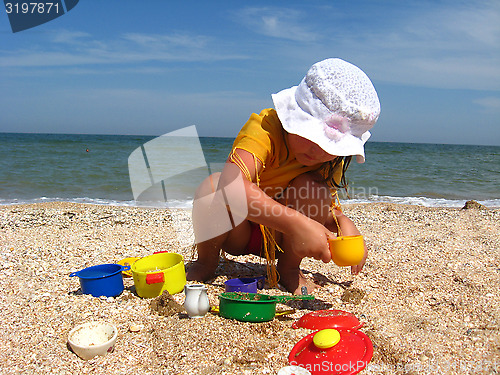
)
(244, 284)
(102, 280)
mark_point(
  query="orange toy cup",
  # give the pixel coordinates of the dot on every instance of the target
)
(347, 250)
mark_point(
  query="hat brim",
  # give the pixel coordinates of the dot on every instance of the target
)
(301, 123)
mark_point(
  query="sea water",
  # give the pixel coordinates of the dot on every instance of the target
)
(95, 169)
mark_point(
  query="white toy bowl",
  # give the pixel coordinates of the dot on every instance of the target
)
(93, 338)
(293, 370)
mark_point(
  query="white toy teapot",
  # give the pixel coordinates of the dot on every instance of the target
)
(196, 302)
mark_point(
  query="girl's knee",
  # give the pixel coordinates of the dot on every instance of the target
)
(208, 185)
(308, 187)
(309, 195)
(209, 214)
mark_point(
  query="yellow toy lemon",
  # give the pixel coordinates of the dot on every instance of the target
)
(326, 338)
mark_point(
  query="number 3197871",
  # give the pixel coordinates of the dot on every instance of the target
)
(35, 7)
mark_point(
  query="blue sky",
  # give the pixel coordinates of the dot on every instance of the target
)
(151, 67)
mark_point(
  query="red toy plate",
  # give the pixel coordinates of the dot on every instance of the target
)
(351, 355)
(323, 319)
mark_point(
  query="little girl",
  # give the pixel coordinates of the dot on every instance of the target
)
(284, 170)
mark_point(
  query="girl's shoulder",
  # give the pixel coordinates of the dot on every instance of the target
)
(262, 135)
(264, 127)
(271, 125)
(269, 121)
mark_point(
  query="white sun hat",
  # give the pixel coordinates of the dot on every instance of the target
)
(334, 106)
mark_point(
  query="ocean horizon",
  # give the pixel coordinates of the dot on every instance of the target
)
(94, 169)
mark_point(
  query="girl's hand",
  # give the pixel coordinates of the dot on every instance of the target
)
(310, 239)
(357, 269)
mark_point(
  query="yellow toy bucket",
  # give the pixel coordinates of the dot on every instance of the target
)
(347, 250)
(158, 272)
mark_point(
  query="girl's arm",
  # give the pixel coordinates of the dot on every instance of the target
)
(308, 237)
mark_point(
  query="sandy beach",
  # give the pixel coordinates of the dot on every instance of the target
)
(429, 295)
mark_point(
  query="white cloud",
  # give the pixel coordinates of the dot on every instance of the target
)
(69, 36)
(477, 22)
(277, 23)
(167, 41)
(489, 103)
(432, 44)
(449, 47)
(82, 49)
(444, 46)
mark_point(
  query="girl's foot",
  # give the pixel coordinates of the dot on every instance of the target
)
(293, 280)
(199, 271)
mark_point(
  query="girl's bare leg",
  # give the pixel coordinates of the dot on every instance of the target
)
(208, 258)
(312, 198)
(233, 241)
(291, 277)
